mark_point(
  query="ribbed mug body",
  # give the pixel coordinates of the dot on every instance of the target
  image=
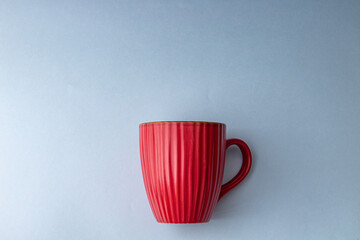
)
(182, 165)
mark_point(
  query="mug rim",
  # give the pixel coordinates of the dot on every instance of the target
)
(176, 122)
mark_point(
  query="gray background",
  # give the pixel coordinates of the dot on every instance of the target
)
(77, 77)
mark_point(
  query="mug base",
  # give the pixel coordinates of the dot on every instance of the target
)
(182, 222)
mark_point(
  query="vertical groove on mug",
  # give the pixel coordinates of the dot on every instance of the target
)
(213, 180)
(163, 190)
(146, 171)
(210, 157)
(178, 157)
(218, 170)
(199, 173)
(223, 150)
(150, 174)
(144, 167)
(150, 132)
(207, 181)
(171, 173)
(163, 175)
(168, 169)
(184, 170)
(218, 180)
(222, 156)
(190, 174)
(186, 161)
(216, 185)
(167, 173)
(208, 176)
(204, 161)
(156, 176)
(196, 156)
(180, 139)
(174, 159)
(156, 173)
(211, 146)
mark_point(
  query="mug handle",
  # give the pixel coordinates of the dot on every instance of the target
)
(245, 167)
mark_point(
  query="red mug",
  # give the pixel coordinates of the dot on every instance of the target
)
(183, 164)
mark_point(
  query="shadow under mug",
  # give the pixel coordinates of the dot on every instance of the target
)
(183, 164)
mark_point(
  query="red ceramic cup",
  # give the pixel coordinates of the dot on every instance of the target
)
(183, 165)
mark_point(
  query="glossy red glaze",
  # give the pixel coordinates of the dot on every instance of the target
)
(183, 165)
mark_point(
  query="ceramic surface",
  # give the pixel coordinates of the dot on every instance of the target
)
(183, 165)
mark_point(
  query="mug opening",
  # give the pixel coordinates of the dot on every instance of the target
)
(187, 122)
